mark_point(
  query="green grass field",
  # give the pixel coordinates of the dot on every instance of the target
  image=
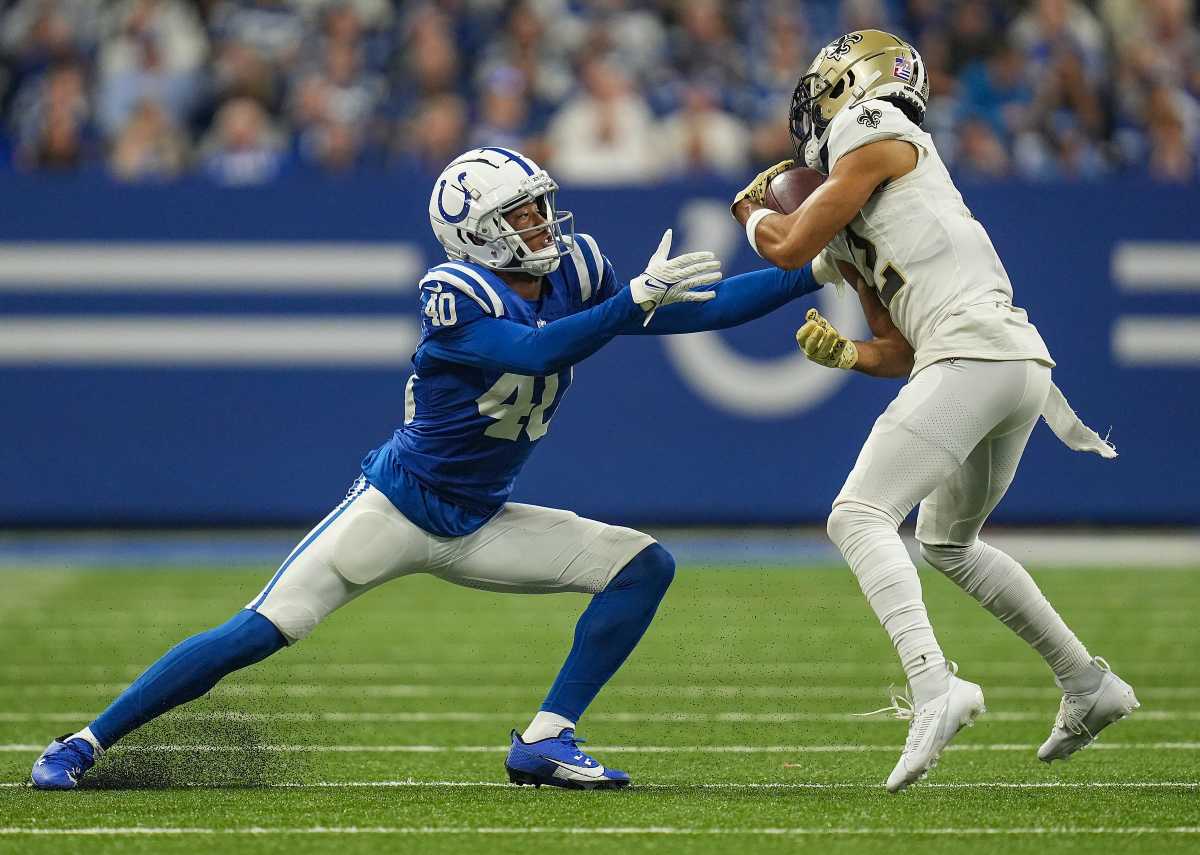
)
(385, 731)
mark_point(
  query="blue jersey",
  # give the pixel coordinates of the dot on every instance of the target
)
(470, 421)
(491, 370)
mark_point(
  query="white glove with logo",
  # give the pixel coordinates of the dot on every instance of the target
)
(672, 280)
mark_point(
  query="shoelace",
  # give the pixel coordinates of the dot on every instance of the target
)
(573, 742)
(903, 708)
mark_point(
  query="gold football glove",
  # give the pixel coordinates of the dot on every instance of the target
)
(825, 345)
(756, 189)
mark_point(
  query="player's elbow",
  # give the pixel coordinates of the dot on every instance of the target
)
(786, 255)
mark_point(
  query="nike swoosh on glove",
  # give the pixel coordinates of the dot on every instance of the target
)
(673, 280)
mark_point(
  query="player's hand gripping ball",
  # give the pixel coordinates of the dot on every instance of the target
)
(823, 344)
(756, 189)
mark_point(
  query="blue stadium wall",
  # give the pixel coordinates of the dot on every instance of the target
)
(189, 355)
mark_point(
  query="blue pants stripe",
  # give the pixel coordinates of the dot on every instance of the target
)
(362, 488)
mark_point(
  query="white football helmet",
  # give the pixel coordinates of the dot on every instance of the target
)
(470, 199)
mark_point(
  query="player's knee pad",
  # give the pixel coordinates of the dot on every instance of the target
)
(653, 569)
(373, 546)
(949, 558)
(849, 522)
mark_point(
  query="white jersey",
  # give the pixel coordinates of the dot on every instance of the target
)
(932, 263)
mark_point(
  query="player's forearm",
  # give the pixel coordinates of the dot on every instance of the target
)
(511, 347)
(739, 299)
(791, 241)
(884, 357)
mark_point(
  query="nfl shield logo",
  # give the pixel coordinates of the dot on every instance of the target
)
(903, 69)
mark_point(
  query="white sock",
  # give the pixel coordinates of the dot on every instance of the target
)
(546, 725)
(1005, 588)
(871, 545)
(87, 736)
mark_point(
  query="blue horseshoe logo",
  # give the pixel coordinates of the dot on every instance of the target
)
(462, 214)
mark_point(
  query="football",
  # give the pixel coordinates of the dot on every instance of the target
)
(788, 190)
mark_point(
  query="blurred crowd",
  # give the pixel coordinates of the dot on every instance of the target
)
(600, 91)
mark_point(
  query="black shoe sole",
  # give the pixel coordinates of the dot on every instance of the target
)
(521, 779)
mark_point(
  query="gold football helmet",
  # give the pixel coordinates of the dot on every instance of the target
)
(856, 67)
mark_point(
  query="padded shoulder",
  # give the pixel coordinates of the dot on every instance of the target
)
(870, 122)
(469, 281)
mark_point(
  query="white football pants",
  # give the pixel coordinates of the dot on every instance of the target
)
(951, 441)
(365, 542)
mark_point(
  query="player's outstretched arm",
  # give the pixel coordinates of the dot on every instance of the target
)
(740, 299)
(491, 342)
(792, 240)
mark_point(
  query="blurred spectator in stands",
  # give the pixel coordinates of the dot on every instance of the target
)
(997, 90)
(437, 135)
(334, 147)
(58, 146)
(631, 32)
(540, 53)
(865, 15)
(149, 147)
(242, 149)
(1173, 131)
(787, 51)
(606, 133)
(703, 46)
(428, 63)
(155, 54)
(942, 114)
(274, 29)
(981, 154)
(52, 119)
(1064, 96)
(241, 71)
(700, 137)
(1051, 28)
(504, 114)
(972, 33)
(35, 34)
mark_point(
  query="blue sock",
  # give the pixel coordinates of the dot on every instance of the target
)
(187, 671)
(609, 629)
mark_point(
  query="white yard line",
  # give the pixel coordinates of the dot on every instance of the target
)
(609, 749)
(424, 690)
(878, 670)
(714, 785)
(885, 831)
(437, 716)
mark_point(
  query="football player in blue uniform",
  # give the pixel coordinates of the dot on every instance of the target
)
(519, 301)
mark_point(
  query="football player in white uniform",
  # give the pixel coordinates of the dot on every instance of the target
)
(940, 307)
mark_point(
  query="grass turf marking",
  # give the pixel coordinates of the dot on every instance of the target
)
(450, 716)
(411, 690)
(609, 749)
(712, 785)
(133, 831)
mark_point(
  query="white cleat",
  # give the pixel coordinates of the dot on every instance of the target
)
(1082, 717)
(932, 728)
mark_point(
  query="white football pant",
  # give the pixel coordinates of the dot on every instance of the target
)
(365, 542)
(951, 441)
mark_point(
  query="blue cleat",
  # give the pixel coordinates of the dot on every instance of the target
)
(559, 762)
(62, 763)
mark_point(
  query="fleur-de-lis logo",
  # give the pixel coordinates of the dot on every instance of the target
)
(870, 117)
(842, 46)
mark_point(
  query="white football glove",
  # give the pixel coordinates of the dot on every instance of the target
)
(672, 280)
